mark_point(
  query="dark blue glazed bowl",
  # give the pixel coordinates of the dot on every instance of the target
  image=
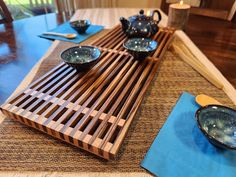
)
(82, 57)
(80, 25)
(218, 124)
(140, 48)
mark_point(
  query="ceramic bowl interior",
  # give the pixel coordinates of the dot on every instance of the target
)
(140, 47)
(81, 57)
(218, 123)
(80, 25)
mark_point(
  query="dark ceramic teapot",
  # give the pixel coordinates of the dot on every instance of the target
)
(141, 25)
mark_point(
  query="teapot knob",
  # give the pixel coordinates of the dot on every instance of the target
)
(141, 12)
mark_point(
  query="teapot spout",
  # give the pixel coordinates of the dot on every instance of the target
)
(125, 23)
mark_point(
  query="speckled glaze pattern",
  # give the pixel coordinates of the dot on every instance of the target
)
(218, 123)
(81, 57)
(141, 25)
(80, 25)
(140, 48)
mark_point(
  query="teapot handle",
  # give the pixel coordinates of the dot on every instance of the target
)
(158, 14)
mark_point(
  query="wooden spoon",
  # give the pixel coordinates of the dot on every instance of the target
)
(204, 100)
(65, 35)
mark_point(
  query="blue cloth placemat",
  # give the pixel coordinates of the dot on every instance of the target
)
(66, 28)
(181, 150)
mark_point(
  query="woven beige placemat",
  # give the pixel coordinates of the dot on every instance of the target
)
(26, 149)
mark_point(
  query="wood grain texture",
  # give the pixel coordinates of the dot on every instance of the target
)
(215, 13)
(123, 12)
(232, 12)
(197, 53)
(18, 55)
(174, 77)
(91, 110)
(178, 17)
(216, 39)
(28, 79)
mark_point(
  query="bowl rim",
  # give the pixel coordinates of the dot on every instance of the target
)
(151, 40)
(80, 46)
(205, 132)
(88, 22)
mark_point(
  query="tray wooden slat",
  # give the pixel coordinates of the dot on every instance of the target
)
(91, 110)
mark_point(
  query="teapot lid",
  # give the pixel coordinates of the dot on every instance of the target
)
(140, 16)
(141, 12)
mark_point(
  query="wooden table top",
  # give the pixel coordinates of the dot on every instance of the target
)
(18, 55)
(106, 17)
(21, 48)
(221, 35)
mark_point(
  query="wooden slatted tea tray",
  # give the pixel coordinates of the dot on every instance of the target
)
(91, 110)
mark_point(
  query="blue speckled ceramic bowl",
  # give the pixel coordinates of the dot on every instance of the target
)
(218, 123)
(81, 57)
(80, 25)
(140, 48)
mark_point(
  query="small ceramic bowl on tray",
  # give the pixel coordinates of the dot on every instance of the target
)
(218, 124)
(140, 48)
(80, 25)
(82, 57)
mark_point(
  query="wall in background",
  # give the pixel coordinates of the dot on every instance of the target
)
(115, 3)
(138, 3)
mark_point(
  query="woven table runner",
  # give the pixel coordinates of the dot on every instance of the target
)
(25, 149)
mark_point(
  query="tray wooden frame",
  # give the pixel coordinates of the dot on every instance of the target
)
(91, 110)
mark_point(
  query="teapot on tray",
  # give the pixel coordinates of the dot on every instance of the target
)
(141, 25)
